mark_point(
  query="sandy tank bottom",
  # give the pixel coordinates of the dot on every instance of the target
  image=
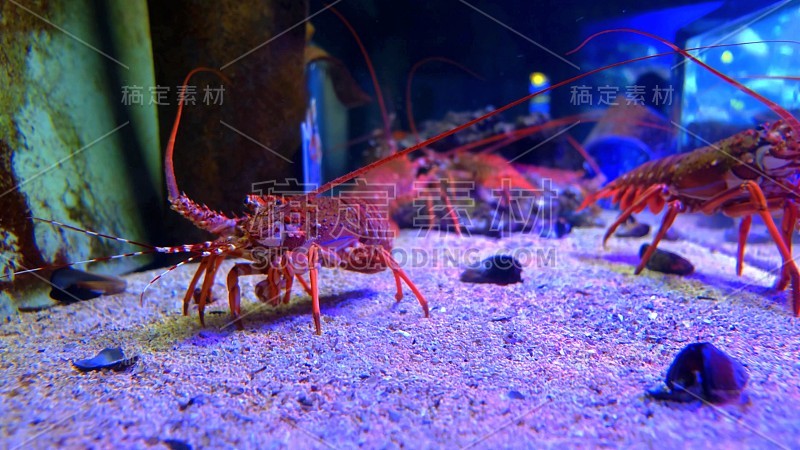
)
(561, 360)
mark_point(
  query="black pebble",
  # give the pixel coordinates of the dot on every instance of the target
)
(703, 372)
(556, 229)
(71, 285)
(635, 230)
(497, 269)
(109, 358)
(667, 262)
(177, 444)
(515, 395)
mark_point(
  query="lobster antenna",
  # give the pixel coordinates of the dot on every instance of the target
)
(779, 110)
(158, 277)
(347, 177)
(378, 94)
(409, 110)
(200, 215)
(150, 249)
(77, 263)
(169, 168)
(93, 233)
(772, 77)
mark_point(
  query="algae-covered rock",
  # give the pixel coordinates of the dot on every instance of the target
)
(70, 148)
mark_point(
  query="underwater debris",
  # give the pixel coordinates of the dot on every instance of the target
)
(71, 285)
(701, 371)
(667, 262)
(177, 444)
(108, 358)
(633, 229)
(497, 269)
(516, 395)
(560, 228)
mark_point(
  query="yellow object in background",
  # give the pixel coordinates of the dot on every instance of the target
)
(538, 80)
(540, 103)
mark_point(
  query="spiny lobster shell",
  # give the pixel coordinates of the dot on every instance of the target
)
(698, 176)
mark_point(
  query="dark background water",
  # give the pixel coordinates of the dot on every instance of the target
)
(502, 41)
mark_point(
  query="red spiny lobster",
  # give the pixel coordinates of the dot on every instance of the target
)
(755, 178)
(285, 237)
(752, 172)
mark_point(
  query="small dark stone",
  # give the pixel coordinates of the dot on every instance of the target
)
(197, 400)
(512, 338)
(109, 358)
(394, 416)
(556, 229)
(703, 372)
(667, 262)
(497, 269)
(634, 230)
(237, 390)
(515, 395)
(177, 444)
(71, 285)
(305, 401)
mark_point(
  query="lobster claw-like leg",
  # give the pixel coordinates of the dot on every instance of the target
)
(234, 291)
(638, 204)
(790, 215)
(375, 258)
(744, 230)
(209, 265)
(280, 275)
(761, 206)
(673, 209)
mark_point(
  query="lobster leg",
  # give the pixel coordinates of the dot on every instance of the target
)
(744, 230)
(638, 203)
(234, 291)
(761, 207)
(295, 269)
(187, 298)
(288, 275)
(399, 295)
(305, 285)
(399, 272)
(450, 210)
(790, 214)
(205, 291)
(313, 259)
(273, 283)
(673, 209)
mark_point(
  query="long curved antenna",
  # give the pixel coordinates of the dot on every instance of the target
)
(409, 109)
(778, 109)
(200, 215)
(387, 127)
